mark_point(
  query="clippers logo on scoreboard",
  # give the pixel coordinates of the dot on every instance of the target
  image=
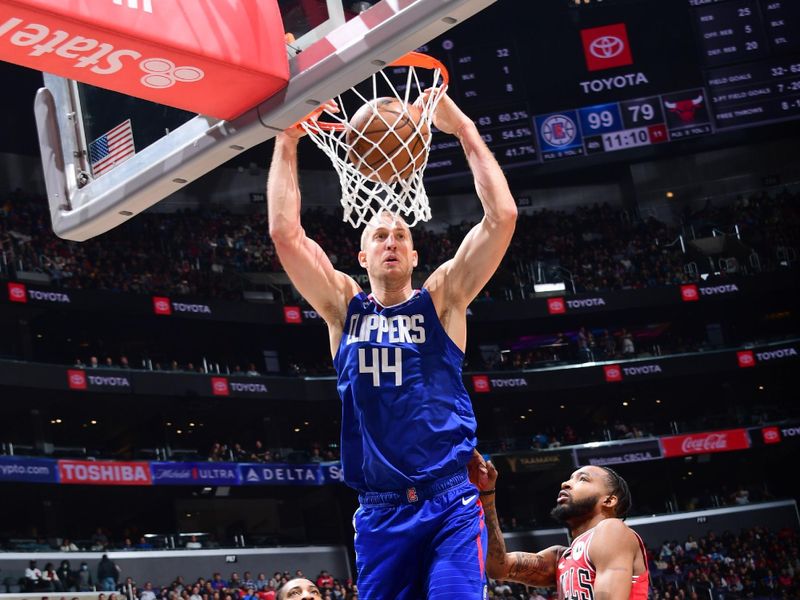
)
(746, 359)
(76, 379)
(612, 373)
(219, 386)
(161, 305)
(17, 292)
(481, 385)
(771, 435)
(559, 130)
(606, 47)
(292, 314)
(556, 306)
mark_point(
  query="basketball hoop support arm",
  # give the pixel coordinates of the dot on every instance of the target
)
(347, 55)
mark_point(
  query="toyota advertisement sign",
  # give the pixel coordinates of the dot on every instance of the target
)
(705, 443)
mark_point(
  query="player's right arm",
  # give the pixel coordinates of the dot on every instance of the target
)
(536, 569)
(327, 290)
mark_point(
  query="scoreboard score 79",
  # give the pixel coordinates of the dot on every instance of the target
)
(621, 125)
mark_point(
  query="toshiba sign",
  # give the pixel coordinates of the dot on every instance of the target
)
(104, 472)
(704, 443)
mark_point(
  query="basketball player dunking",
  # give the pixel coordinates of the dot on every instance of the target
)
(408, 429)
(606, 560)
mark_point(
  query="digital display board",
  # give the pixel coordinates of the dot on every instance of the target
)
(545, 81)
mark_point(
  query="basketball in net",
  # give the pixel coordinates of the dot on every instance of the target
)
(388, 139)
(379, 140)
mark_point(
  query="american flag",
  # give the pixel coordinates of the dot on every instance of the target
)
(112, 148)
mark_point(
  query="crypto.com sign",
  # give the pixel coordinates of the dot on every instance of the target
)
(206, 57)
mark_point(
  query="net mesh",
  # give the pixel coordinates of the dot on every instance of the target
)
(370, 187)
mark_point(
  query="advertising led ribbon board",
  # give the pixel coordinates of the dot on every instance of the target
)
(578, 81)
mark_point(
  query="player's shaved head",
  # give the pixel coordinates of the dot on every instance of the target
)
(384, 218)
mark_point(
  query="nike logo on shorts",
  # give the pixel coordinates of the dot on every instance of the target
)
(466, 501)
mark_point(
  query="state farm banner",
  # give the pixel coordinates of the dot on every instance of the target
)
(31, 470)
(200, 473)
(208, 57)
(285, 474)
(703, 443)
(103, 472)
(618, 453)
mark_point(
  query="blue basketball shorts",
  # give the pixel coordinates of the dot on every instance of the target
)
(424, 542)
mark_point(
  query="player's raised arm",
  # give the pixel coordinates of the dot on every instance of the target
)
(537, 569)
(614, 548)
(307, 265)
(483, 248)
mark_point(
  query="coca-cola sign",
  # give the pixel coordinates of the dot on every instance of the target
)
(704, 443)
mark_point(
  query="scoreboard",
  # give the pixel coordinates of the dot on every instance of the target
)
(545, 81)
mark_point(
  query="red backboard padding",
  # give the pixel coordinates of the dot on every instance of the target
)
(214, 57)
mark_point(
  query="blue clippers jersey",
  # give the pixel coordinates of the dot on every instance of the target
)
(406, 416)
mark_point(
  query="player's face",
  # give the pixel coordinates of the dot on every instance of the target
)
(300, 589)
(581, 495)
(388, 248)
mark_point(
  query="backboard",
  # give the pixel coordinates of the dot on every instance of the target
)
(334, 44)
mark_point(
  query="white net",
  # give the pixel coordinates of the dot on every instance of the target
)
(379, 145)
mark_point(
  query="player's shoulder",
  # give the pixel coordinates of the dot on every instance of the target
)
(613, 529)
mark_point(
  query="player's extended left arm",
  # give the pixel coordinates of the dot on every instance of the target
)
(613, 552)
(485, 245)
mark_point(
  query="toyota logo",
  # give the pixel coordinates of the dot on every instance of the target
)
(76, 379)
(17, 292)
(161, 305)
(607, 46)
(219, 386)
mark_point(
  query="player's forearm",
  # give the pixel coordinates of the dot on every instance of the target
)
(490, 183)
(496, 557)
(283, 191)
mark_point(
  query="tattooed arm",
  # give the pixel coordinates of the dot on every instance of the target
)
(537, 569)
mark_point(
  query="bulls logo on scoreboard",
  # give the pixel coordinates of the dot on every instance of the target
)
(219, 386)
(556, 306)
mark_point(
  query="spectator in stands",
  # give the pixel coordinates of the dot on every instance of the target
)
(66, 576)
(99, 538)
(93, 362)
(144, 544)
(324, 580)
(83, 578)
(68, 546)
(628, 349)
(107, 574)
(218, 583)
(235, 583)
(261, 582)
(148, 593)
(193, 543)
(33, 577)
(50, 581)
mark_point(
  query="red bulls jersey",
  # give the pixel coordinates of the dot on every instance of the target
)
(576, 573)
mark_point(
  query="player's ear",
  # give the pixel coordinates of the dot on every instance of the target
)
(362, 258)
(610, 501)
(414, 258)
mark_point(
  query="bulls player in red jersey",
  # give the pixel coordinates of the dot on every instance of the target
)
(606, 560)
